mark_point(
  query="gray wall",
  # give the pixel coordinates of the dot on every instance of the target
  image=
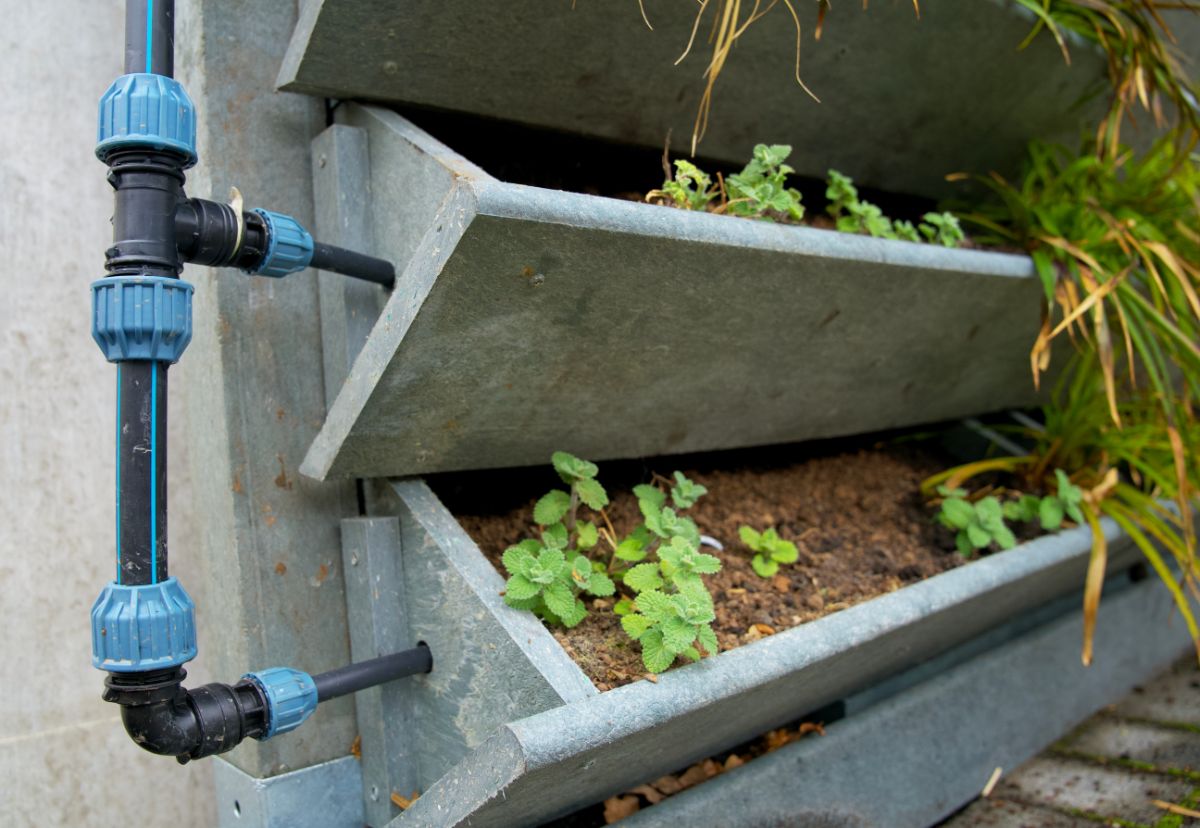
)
(64, 757)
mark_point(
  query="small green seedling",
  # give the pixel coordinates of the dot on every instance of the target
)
(1024, 509)
(670, 625)
(942, 228)
(690, 189)
(978, 524)
(853, 215)
(770, 550)
(685, 493)
(1065, 503)
(760, 190)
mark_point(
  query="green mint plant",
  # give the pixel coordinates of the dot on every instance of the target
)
(769, 549)
(1066, 503)
(942, 228)
(978, 525)
(547, 575)
(690, 189)
(760, 190)
(1024, 509)
(670, 625)
(672, 610)
(854, 215)
(982, 523)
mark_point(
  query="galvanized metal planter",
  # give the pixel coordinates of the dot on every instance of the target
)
(528, 320)
(512, 733)
(904, 101)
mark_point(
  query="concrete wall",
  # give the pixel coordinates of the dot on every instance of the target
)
(64, 758)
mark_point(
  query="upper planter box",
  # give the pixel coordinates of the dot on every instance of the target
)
(904, 101)
(527, 320)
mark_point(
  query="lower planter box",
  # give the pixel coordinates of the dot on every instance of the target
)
(511, 732)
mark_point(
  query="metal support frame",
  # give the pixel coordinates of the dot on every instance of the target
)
(375, 606)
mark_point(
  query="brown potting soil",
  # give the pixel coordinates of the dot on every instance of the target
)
(855, 515)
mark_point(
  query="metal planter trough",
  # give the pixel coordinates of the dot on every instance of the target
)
(904, 100)
(507, 730)
(528, 320)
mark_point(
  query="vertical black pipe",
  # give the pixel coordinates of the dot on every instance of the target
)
(153, 53)
(141, 473)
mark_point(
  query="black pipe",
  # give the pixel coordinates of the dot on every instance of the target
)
(348, 263)
(141, 472)
(364, 674)
(154, 54)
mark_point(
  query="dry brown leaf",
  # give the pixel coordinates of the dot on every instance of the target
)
(667, 785)
(700, 772)
(356, 748)
(781, 583)
(652, 678)
(652, 795)
(1177, 809)
(810, 727)
(776, 739)
(733, 761)
(404, 803)
(617, 808)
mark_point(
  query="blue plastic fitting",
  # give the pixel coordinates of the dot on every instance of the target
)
(150, 111)
(146, 627)
(142, 317)
(289, 246)
(291, 698)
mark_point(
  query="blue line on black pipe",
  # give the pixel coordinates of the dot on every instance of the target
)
(149, 36)
(118, 472)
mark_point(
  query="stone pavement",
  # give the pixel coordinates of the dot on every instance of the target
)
(1112, 769)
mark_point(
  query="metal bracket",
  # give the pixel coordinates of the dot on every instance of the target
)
(375, 607)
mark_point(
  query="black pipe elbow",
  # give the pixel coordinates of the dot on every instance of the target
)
(164, 718)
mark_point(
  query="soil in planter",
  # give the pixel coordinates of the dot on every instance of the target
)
(853, 511)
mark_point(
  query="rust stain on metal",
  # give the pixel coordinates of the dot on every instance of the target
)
(323, 572)
(282, 480)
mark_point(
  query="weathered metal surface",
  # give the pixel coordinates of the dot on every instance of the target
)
(533, 320)
(615, 740)
(904, 101)
(251, 386)
(491, 665)
(378, 617)
(326, 795)
(341, 197)
(915, 759)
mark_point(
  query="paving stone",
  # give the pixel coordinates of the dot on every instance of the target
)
(1070, 784)
(1116, 738)
(1172, 697)
(1004, 813)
